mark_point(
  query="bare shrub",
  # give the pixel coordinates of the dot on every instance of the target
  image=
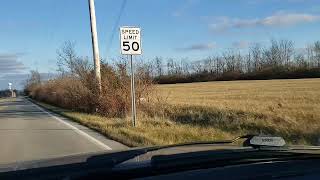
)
(115, 95)
(115, 99)
(144, 83)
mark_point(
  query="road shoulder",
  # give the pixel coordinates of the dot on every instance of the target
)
(91, 134)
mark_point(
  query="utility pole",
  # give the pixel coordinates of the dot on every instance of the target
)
(95, 46)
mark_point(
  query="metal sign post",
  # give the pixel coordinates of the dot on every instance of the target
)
(130, 43)
(133, 95)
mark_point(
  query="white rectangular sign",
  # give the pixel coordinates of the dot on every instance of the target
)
(130, 39)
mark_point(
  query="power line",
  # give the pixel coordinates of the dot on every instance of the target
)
(116, 24)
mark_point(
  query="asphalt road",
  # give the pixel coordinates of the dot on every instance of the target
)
(28, 132)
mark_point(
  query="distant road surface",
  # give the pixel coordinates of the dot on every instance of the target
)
(28, 132)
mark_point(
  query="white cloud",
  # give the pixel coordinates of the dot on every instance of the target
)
(241, 44)
(256, 2)
(198, 47)
(183, 8)
(276, 20)
(19, 80)
(9, 64)
(288, 19)
(11, 70)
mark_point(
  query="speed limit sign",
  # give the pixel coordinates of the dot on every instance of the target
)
(130, 39)
(130, 44)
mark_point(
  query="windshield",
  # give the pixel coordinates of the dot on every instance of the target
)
(92, 76)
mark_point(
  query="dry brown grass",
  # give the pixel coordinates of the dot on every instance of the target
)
(6, 99)
(286, 107)
(149, 131)
(154, 131)
(291, 99)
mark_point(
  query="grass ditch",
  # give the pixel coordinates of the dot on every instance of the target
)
(149, 131)
(171, 124)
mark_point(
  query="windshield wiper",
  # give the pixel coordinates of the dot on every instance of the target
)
(149, 149)
(254, 141)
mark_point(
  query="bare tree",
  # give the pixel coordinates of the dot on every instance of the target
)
(170, 66)
(239, 62)
(230, 60)
(248, 63)
(278, 54)
(272, 55)
(178, 68)
(70, 63)
(185, 66)
(286, 51)
(220, 65)
(256, 53)
(35, 78)
(197, 67)
(209, 64)
(159, 66)
(317, 53)
(66, 56)
(310, 55)
(300, 61)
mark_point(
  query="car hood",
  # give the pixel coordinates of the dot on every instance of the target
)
(108, 158)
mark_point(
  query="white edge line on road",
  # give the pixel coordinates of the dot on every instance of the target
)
(92, 139)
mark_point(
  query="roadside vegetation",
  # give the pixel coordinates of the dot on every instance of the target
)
(75, 87)
(170, 114)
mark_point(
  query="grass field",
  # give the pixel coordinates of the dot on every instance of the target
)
(289, 105)
(293, 100)
(2, 100)
(218, 110)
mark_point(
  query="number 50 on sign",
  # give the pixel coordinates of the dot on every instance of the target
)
(130, 38)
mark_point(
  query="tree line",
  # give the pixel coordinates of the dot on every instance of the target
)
(278, 60)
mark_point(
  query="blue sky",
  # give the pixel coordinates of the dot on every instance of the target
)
(32, 30)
